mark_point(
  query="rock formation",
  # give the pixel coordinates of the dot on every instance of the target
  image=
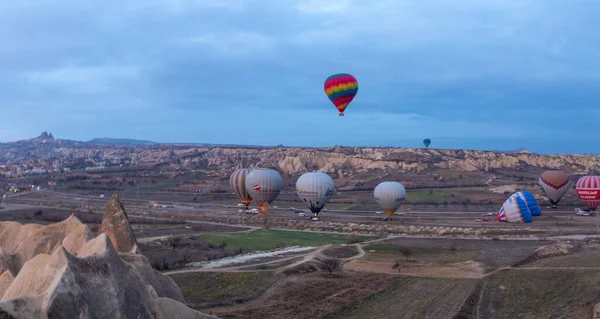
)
(116, 226)
(63, 273)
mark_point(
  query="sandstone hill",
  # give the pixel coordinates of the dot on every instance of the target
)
(61, 271)
(337, 160)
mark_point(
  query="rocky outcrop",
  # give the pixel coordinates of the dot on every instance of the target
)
(97, 283)
(116, 226)
(22, 242)
(333, 160)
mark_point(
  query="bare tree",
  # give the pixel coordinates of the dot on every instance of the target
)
(453, 247)
(174, 242)
(353, 239)
(329, 264)
(406, 251)
(185, 254)
(398, 265)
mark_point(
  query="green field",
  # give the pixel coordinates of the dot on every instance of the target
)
(269, 239)
(208, 289)
(412, 297)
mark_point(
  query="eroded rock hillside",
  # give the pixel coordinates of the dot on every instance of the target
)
(49, 153)
(62, 271)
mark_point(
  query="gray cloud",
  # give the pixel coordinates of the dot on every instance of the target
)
(186, 68)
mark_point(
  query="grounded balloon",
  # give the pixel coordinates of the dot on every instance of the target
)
(426, 142)
(390, 196)
(555, 185)
(264, 186)
(588, 190)
(238, 184)
(531, 202)
(315, 189)
(341, 89)
(515, 210)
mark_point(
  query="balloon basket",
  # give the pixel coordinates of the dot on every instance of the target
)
(341, 114)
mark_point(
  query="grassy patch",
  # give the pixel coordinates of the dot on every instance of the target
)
(272, 239)
(207, 289)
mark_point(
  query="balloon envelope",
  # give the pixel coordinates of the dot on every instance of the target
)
(531, 202)
(554, 184)
(237, 181)
(588, 190)
(515, 210)
(389, 196)
(315, 189)
(426, 142)
(341, 88)
(264, 185)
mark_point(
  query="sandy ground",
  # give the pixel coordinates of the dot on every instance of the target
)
(468, 269)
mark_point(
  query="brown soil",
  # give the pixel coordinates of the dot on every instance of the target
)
(308, 296)
(341, 252)
(469, 269)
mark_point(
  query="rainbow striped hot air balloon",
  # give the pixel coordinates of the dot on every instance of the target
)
(341, 89)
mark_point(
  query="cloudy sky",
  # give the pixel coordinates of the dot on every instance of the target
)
(485, 74)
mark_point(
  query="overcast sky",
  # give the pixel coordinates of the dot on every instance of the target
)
(483, 74)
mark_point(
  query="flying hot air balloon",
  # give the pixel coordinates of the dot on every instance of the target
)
(515, 210)
(341, 88)
(237, 181)
(426, 142)
(588, 190)
(555, 185)
(264, 186)
(315, 189)
(389, 196)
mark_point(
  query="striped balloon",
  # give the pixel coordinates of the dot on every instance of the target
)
(515, 210)
(588, 190)
(341, 89)
(237, 181)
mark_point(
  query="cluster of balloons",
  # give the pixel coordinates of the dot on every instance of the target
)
(313, 188)
(316, 188)
(522, 206)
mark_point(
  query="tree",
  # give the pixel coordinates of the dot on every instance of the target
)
(406, 252)
(329, 264)
(398, 265)
(453, 247)
(185, 254)
(174, 242)
(353, 239)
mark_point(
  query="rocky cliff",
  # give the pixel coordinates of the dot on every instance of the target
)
(341, 161)
(60, 271)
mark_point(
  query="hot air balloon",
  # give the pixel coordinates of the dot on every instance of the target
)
(341, 89)
(555, 185)
(315, 189)
(588, 190)
(389, 196)
(264, 186)
(237, 181)
(531, 202)
(515, 210)
(426, 142)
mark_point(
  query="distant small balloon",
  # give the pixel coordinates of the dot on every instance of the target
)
(341, 88)
(427, 142)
